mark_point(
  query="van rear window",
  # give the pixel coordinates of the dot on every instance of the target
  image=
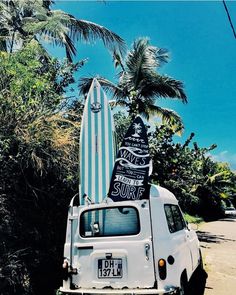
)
(115, 221)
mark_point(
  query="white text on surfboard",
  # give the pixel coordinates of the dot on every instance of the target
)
(127, 191)
(127, 180)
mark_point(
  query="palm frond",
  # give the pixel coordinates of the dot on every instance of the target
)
(53, 30)
(90, 32)
(85, 84)
(32, 19)
(163, 86)
(167, 115)
(117, 59)
(63, 28)
(139, 61)
(69, 46)
(162, 55)
(144, 59)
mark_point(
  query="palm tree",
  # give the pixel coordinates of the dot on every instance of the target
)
(140, 85)
(24, 20)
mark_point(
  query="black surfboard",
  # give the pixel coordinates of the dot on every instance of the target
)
(129, 180)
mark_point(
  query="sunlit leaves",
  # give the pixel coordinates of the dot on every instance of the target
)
(30, 115)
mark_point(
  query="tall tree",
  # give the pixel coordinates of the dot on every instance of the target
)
(140, 84)
(24, 20)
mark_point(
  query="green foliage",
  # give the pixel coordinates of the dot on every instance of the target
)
(193, 219)
(38, 169)
(122, 123)
(31, 117)
(190, 173)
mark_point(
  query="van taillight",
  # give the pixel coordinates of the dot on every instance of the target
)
(162, 269)
(65, 264)
(65, 267)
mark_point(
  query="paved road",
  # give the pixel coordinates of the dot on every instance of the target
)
(218, 244)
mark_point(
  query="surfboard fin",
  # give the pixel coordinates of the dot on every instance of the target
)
(87, 200)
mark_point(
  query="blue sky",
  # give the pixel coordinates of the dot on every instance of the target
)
(203, 56)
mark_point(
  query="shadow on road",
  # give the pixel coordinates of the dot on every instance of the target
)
(207, 237)
(229, 219)
(197, 282)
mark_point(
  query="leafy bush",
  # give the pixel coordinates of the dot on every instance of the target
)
(38, 169)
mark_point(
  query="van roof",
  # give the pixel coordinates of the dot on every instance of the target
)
(157, 193)
(163, 194)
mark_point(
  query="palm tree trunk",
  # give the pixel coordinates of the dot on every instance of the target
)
(132, 111)
(133, 107)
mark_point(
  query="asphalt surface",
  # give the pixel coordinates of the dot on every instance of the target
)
(218, 244)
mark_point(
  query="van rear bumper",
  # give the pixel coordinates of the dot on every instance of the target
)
(81, 291)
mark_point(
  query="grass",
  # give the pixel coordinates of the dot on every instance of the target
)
(193, 219)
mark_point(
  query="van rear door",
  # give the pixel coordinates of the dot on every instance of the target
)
(114, 247)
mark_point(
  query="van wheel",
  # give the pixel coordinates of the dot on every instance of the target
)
(183, 286)
(200, 272)
(200, 266)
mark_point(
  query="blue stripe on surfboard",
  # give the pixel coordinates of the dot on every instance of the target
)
(96, 196)
(82, 168)
(100, 159)
(104, 183)
(110, 142)
(87, 161)
(108, 170)
(83, 171)
(89, 154)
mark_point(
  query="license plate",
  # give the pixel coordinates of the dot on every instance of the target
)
(109, 268)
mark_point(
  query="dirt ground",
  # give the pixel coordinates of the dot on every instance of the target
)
(218, 244)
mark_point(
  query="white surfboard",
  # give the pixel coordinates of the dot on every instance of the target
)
(96, 145)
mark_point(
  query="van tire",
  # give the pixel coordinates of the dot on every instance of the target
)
(200, 266)
(183, 290)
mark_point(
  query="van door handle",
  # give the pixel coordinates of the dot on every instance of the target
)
(147, 248)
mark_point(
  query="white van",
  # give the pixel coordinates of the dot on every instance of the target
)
(129, 247)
